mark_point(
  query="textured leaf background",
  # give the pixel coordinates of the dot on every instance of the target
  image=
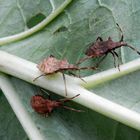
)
(10, 127)
(67, 37)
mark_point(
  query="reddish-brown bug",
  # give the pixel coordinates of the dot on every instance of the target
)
(46, 106)
(52, 65)
(102, 48)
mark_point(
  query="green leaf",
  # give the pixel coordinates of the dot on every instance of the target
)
(67, 37)
(10, 127)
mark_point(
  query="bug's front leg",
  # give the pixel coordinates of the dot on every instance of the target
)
(100, 61)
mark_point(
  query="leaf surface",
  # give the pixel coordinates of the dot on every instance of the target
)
(68, 37)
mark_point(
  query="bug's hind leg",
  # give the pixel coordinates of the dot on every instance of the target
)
(134, 49)
(100, 61)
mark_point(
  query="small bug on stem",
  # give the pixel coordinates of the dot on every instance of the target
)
(46, 106)
(52, 65)
(103, 48)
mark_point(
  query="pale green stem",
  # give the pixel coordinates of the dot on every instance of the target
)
(99, 78)
(22, 114)
(55, 13)
(27, 71)
(107, 108)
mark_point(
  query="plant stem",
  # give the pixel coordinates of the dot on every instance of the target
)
(55, 13)
(27, 71)
(107, 108)
(22, 114)
(111, 74)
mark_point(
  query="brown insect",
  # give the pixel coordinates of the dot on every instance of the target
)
(52, 65)
(103, 48)
(46, 106)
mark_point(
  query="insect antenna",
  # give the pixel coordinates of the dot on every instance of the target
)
(69, 108)
(133, 49)
(122, 37)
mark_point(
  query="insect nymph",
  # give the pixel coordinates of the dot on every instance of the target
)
(51, 65)
(46, 106)
(103, 48)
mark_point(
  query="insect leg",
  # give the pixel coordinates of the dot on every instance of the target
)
(83, 59)
(121, 40)
(114, 58)
(118, 59)
(49, 97)
(133, 49)
(88, 68)
(46, 115)
(100, 61)
(69, 108)
(64, 83)
(99, 39)
(68, 99)
(77, 76)
(44, 74)
(51, 55)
